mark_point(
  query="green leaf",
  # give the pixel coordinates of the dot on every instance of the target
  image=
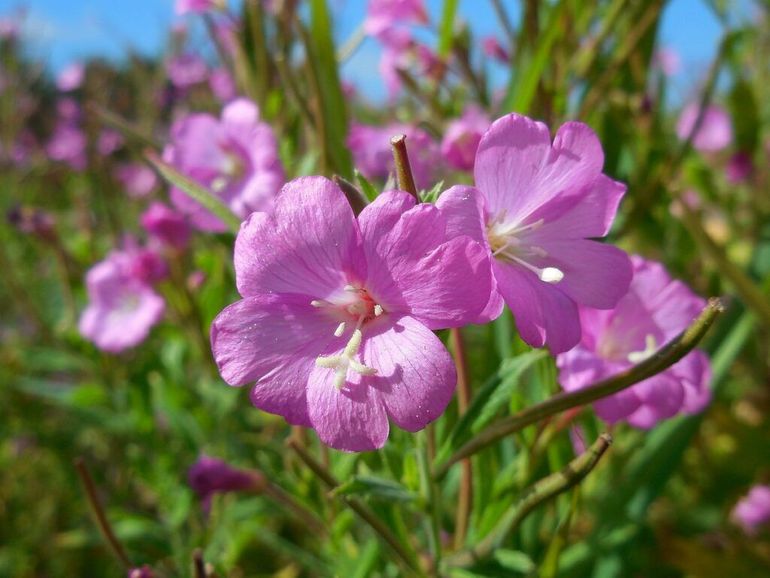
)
(366, 187)
(745, 116)
(374, 487)
(446, 33)
(324, 65)
(195, 191)
(514, 560)
(511, 373)
(487, 402)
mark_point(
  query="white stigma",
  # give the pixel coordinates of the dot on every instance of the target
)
(650, 346)
(551, 275)
(346, 361)
(509, 243)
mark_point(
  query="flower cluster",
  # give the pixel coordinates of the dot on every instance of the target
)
(336, 318)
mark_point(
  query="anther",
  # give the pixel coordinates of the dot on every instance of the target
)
(317, 303)
(340, 330)
(378, 310)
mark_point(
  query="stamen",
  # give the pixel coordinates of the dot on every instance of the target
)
(341, 363)
(547, 274)
(650, 346)
(349, 288)
(378, 310)
(340, 330)
(317, 303)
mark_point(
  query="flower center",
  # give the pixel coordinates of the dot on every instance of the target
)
(358, 306)
(231, 168)
(650, 347)
(508, 242)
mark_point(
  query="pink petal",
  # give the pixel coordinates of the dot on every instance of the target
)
(519, 170)
(416, 376)
(260, 334)
(583, 212)
(351, 418)
(240, 115)
(661, 398)
(310, 245)
(595, 274)
(439, 292)
(464, 210)
(544, 315)
(619, 406)
(694, 373)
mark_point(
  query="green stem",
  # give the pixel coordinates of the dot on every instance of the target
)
(540, 492)
(406, 557)
(660, 361)
(432, 496)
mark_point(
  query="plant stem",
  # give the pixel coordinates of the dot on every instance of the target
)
(96, 507)
(404, 176)
(406, 557)
(280, 496)
(199, 565)
(540, 492)
(661, 360)
(465, 493)
(424, 460)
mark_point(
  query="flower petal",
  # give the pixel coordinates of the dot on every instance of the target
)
(415, 377)
(310, 245)
(352, 418)
(694, 373)
(259, 334)
(661, 398)
(519, 170)
(464, 210)
(544, 315)
(595, 275)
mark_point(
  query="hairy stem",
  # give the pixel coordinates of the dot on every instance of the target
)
(660, 361)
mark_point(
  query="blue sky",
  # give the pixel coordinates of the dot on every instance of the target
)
(63, 31)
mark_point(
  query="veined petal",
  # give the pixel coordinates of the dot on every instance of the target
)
(415, 377)
(519, 170)
(595, 275)
(260, 334)
(464, 210)
(544, 314)
(310, 245)
(352, 418)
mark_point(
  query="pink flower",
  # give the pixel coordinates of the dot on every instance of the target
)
(753, 511)
(667, 61)
(68, 145)
(122, 305)
(222, 85)
(109, 141)
(653, 312)
(141, 572)
(535, 209)
(384, 15)
(186, 70)
(715, 131)
(138, 179)
(209, 476)
(739, 168)
(71, 78)
(335, 325)
(492, 48)
(198, 6)
(372, 154)
(462, 138)
(235, 157)
(166, 225)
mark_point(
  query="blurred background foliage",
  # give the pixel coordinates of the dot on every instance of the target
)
(659, 503)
